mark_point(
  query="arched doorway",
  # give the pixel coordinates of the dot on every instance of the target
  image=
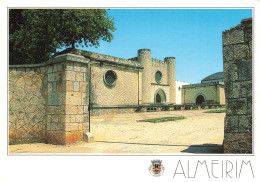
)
(160, 96)
(200, 100)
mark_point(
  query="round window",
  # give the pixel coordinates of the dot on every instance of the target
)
(158, 76)
(110, 78)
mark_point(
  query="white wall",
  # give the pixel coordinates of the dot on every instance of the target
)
(178, 91)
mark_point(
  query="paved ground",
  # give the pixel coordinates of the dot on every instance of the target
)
(122, 134)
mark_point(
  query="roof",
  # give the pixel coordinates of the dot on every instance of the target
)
(215, 76)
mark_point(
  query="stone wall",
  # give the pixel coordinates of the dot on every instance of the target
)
(27, 104)
(237, 57)
(49, 102)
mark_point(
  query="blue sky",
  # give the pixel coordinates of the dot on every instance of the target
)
(192, 36)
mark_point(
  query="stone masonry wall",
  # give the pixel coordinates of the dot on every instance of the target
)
(237, 57)
(27, 104)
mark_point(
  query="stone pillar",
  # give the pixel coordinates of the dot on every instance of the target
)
(171, 78)
(67, 115)
(237, 57)
(144, 57)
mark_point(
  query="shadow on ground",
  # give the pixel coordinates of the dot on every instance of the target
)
(205, 148)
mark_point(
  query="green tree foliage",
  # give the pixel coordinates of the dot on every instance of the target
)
(36, 34)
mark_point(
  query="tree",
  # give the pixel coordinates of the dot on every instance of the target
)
(36, 34)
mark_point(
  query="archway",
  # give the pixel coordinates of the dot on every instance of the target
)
(160, 96)
(200, 100)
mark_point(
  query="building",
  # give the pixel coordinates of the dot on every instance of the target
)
(52, 102)
(209, 91)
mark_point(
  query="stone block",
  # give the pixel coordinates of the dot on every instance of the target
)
(85, 109)
(64, 118)
(50, 77)
(50, 69)
(85, 126)
(80, 109)
(69, 66)
(228, 53)
(79, 76)
(245, 123)
(73, 118)
(82, 86)
(52, 99)
(236, 106)
(54, 88)
(245, 69)
(77, 67)
(61, 86)
(73, 98)
(55, 118)
(79, 118)
(230, 72)
(59, 109)
(60, 99)
(55, 67)
(246, 89)
(71, 109)
(241, 51)
(70, 75)
(236, 90)
(43, 69)
(231, 123)
(51, 109)
(59, 76)
(72, 127)
(69, 86)
(76, 86)
(84, 68)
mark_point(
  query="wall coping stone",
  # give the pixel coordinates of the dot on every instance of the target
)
(57, 59)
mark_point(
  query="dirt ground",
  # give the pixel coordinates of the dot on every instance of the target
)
(122, 134)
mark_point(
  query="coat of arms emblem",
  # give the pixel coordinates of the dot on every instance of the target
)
(156, 168)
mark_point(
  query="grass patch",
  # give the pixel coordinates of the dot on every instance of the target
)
(216, 111)
(164, 119)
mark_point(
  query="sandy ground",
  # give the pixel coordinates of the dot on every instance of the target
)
(122, 134)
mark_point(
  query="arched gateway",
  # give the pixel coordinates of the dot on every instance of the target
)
(200, 100)
(160, 96)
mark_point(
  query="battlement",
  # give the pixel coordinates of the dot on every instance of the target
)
(158, 61)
